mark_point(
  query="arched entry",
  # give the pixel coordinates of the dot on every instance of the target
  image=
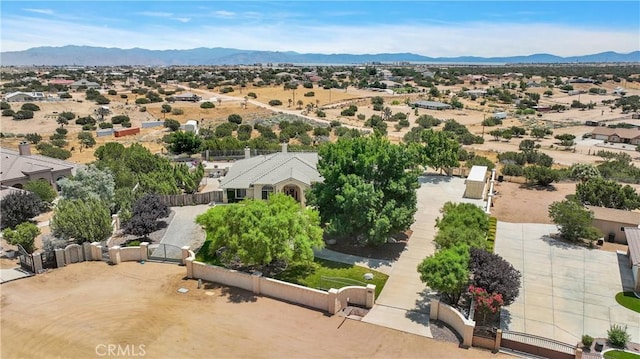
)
(293, 191)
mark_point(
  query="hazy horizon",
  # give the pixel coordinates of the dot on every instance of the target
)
(428, 28)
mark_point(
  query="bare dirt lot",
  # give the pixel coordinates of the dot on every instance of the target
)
(517, 203)
(74, 311)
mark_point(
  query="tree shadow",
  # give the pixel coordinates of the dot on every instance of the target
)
(434, 179)
(505, 318)
(537, 187)
(626, 275)
(420, 314)
(236, 295)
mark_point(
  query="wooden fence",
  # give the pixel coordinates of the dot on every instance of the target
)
(192, 199)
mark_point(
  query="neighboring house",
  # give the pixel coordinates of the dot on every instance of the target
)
(24, 96)
(257, 177)
(86, 83)
(633, 252)
(617, 135)
(612, 222)
(476, 93)
(431, 105)
(187, 96)
(19, 167)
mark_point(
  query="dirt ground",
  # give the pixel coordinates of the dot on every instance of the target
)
(520, 204)
(75, 312)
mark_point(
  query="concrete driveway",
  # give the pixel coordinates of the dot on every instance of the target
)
(182, 231)
(567, 290)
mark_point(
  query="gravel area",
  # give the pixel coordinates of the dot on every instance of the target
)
(443, 332)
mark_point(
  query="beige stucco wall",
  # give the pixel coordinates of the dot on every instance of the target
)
(222, 275)
(607, 227)
(447, 314)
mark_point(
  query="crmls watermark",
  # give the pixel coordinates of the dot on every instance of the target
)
(120, 350)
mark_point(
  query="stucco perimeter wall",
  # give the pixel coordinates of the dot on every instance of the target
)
(128, 254)
(222, 275)
(331, 301)
(289, 292)
(447, 314)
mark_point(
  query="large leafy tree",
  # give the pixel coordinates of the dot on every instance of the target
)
(573, 220)
(146, 212)
(91, 182)
(494, 274)
(184, 142)
(19, 207)
(263, 232)
(438, 150)
(42, 189)
(24, 235)
(541, 175)
(584, 172)
(447, 271)
(368, 190)
(607, 193)
(84, 220)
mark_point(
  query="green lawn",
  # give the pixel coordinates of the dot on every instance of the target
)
(629, 301)
(619, 354)
(312, 276)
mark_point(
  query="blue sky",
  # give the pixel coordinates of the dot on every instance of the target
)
(431, 28)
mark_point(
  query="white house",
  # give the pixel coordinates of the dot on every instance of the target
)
(24, 96)
(86, 83)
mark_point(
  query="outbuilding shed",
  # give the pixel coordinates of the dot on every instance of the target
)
(476, 182)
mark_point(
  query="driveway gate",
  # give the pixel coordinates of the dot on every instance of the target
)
(165, 253)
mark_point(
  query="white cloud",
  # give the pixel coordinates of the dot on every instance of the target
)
(224, 13)
(40, 11)
(436, 40)
(155, 14)
(182, 19)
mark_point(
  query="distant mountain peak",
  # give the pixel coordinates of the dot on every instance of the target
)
(102, 56)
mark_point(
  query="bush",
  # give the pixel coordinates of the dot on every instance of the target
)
(65, 95)
(23, 115)
(252, 95)
(511, 169)
(30, 107)
(62, 131)
(226, 89)
(618, 336)
(124, 96)
(177, 112)
(112, 92)
(124, 124)
(4, 105)
(309, 94)
(275, 103)
(587, 340)
(105, 125)
(207, 104)
(119, 119)
(171, 124)
(321, 113)
(351, 111)
(143, 109)
(87, 120)
(142, 101)
(235, 118)
(88, 127)
(33, 138)
(8, 112)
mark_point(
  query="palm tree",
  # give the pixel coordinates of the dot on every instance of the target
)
(386, 114)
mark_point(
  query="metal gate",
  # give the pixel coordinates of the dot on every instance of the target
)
(165, 253)
(105, 251)
(26, 260)
(48, 260)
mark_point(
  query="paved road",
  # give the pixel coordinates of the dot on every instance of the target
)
(567, 290)
(404, 301)
(182, 231)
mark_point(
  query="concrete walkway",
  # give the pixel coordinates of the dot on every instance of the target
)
(8, 275)
(404, 301)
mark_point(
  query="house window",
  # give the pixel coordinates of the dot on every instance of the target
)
(266, 191)
(241, 192)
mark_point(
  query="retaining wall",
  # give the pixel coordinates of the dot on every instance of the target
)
(448, 314)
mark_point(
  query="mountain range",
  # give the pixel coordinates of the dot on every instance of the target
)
(102, 56)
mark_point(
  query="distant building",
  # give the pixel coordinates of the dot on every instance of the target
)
(84, 83)
(24, 96)
(431, 105)
(617, 135)
(187, 96)
(476, 93)
(20, 167)
(612, 222)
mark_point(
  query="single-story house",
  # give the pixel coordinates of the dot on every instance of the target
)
(476, 93)
(283, 172)
(476, 183)
(20, 96)
(187, 96)
(617, 135)
(500, 115)
(633, 252)
(86, 83)
(431, 105)
(612, 222)
(20, 167)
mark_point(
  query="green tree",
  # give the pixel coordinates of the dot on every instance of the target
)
(527, 145)
(30, 107)
(145, 213)
(584, 172)
(86, 139)
(171, 124)
(540, 175)
(19, 207)
(447, 271)
(438, 150)
(235, 118)
(368, 190)
(566, 139)
(601, 192)
(207, 104)
(42, 189)
(165, 108)
(24, 235)
(184, 142)
(90, 182)
(540, 132)
(461, 223)
(260, 232)
(83, 220)
(573, 220)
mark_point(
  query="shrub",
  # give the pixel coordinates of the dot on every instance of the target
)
(124, 96)
(88, 127)
(309, 94)
(321, 113)
(124, 124)
(252, 95)
(142, 101)
(177, 112)
(112, 92)
(62, 131)
(207, 104)
(143, 109)
(30, 107)
(226, 89)
(235, 118)
(33, 138)
(171, 124)
(335, 123)
(618, 336)
(23, 115)
(105, 125)
(275, 103)
(587, 340)
(8, 112)
(87, 120)
(351, 111)
(119, 119)
(511, 169)
(4, 105)
(65, 95)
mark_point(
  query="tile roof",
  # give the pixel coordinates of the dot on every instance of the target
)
(272, 169)
(626, 133)
(13, 165)
(615, 215)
